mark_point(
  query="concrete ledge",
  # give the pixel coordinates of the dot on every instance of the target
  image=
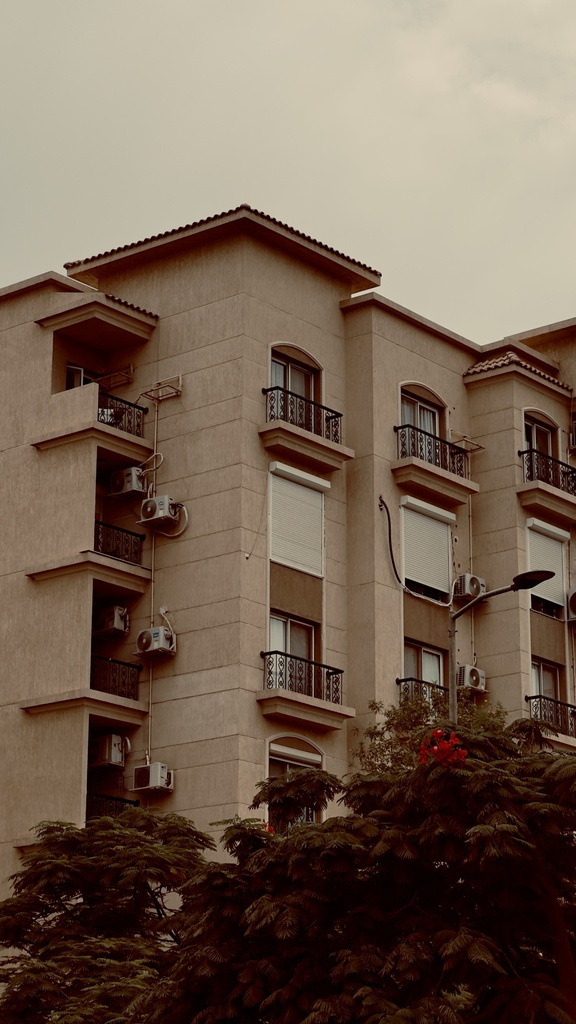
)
(111, 438)
(103, 706)
(423, 480)
(115, 571)
(307, 449)
(548, 502)
(297, 708)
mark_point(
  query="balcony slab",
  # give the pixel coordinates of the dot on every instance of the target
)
(286, 441)
(547, 502)
(301, 710)
(424, 480)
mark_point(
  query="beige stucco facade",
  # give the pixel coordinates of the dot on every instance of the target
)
(161, 361)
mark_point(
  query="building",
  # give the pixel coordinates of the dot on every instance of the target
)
(201, 435)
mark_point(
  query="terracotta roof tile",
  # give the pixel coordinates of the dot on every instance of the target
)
(513, 359)
(130, 305)
(210, 220)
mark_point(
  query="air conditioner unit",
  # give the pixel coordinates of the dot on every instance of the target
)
(108, 750)
(471, 678)
(571, 604)
(128, 481)
(114, 619)
(469, 585)
(156, 640)
(153, 776)
(161, 510)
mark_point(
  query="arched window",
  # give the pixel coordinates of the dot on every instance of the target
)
(541, 449)
(295, 394)
(423, 429)
(287, 754)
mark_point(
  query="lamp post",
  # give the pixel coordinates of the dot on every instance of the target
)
(524, 581)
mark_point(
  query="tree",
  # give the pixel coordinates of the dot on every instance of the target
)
(91, 921)
(444, 894)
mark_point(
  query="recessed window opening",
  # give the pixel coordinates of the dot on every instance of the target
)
(292, 636)
(540, 436)
(289, 754)
(545, 679)
(423, 663)
(415, 412)
(77, 376)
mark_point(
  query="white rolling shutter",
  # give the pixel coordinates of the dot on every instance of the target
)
(297, 525)
(546, 547)
(427, 545)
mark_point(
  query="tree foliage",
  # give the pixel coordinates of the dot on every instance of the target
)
(443, 894)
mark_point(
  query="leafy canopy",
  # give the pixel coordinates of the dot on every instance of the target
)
(443, 894)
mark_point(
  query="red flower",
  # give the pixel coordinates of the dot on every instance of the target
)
(445, 751)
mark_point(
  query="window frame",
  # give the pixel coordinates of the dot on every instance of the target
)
(289, 621)
(537, 667)
(422, 649)
(420, 406)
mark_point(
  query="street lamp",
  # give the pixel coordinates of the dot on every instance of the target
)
(524, 581)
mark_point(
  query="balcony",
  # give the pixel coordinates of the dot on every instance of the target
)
(287, 672)
(298, 428)
(432, 693)
(430, 468)
(117, 412)
(549, 487)
(302, 412)
(98, 806)
(118, 543)
(302, 691)
(555, 713)
(419, 444)
(550, 471)
(119, 678)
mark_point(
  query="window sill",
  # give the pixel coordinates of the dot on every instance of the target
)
(301, 446)
(549, 502)
(301, 710)
(424, 480)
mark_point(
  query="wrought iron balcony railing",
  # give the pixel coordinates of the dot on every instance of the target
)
(117, 412)
(298, 675)
(431, 692)
(119, 678)
(301, 412)
(550, 471)
(98, 806)
(554, 712)
(421, 445)
(113, 540)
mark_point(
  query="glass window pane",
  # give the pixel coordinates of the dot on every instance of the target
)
(542, 440)
(408, 412)
(535, 680)
(300, 382)
(301, 640)
(411, 662)
(428, 420)
(431, 667)
(548, 681)
(277, 634)
(278, 374)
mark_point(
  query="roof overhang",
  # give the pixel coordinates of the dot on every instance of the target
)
(243, 220)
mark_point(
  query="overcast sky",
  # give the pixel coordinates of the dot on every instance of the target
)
(434, 140)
